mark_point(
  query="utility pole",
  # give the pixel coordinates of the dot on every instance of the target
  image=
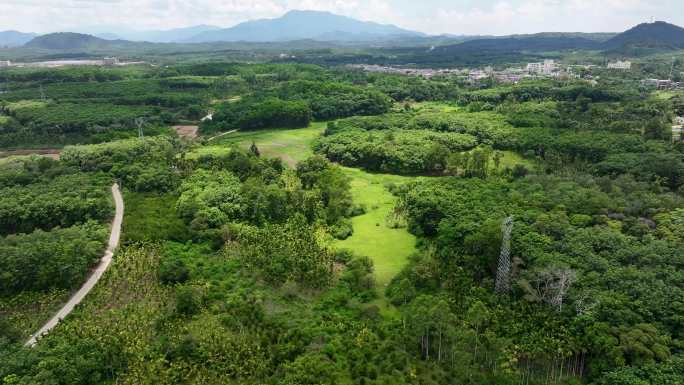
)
(503, 273)
(140, 122)
(42, 93)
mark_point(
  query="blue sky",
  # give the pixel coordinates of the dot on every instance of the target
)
(471, 17)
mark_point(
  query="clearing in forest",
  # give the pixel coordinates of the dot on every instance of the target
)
(291, 146)
(388, 248)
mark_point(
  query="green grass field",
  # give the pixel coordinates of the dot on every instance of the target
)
(510, 159)
(388, 248)
(291, 146)
(152, 217)
(665, 95)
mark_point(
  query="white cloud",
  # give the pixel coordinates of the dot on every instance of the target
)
(434, 16)
(529, 16)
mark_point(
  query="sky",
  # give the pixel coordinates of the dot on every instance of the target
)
(459, 17)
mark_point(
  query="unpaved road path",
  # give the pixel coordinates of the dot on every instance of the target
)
(48, 152)
(94, 276)
(221, 135)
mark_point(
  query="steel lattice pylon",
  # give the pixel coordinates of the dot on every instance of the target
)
(503, 273)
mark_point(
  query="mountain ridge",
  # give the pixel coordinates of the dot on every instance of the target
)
(13, 38)
(658, 34)
(299, 25)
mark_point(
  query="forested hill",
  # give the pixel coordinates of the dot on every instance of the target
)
(14, 38)
(70, 40)
(538, 43)
(658, 34)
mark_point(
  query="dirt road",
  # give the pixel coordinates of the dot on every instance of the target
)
(94, 276)
(221, 135)
(47, 152)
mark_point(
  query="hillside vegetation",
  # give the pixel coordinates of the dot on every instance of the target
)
(344, 227)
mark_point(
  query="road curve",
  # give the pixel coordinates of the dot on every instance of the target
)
(94, 276)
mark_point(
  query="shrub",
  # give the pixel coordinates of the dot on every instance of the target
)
(186, 302)
(173, 271)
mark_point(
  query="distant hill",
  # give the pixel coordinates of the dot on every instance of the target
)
(71, 41)
(177, 35)
(532, 43)
(303, 25)
(15, 38)
(649, 35)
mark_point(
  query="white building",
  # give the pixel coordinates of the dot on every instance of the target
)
(678, 129)
(549, 67)
(110, 61)
(658, 83)
(535, 68)
(5, 63)
(676, 133)
(620, 65)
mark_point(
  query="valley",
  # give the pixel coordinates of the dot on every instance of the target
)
(318, 200)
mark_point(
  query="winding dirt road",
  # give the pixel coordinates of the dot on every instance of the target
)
(94, 276)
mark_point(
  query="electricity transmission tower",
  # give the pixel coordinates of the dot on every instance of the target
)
(503, 273)
(140, 122)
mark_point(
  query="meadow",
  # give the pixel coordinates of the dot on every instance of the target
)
(389, 248)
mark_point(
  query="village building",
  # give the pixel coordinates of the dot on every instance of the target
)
(110, 61)
(620, 65)
(547, 67)
(677, 129)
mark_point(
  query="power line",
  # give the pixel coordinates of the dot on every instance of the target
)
(140, 122)
(503, 273)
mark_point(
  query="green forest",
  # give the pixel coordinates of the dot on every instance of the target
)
(333, 226)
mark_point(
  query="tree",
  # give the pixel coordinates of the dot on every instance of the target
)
(186, 302)
(454, 163)
(173, 271)
(498, 156)
(550, 285)
(254, 150)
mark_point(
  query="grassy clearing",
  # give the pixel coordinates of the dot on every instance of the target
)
(25, 104)
(291, 146)
(665, 95)
(511, 159)
(152, 217)
(389, 248)
(435, 107)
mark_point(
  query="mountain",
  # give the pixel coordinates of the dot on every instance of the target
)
(649, 35)
(533, 43)
(302, 25)
(176, 35)
(71, 41)
(15, 38)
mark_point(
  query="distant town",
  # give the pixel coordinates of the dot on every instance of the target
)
(537, 70)
(107, 61)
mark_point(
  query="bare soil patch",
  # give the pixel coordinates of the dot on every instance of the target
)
(189, 132)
